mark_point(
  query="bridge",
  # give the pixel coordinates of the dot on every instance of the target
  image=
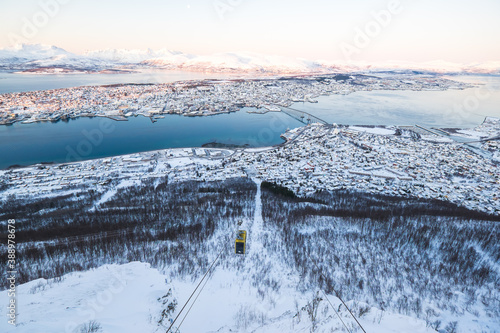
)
(302, 116)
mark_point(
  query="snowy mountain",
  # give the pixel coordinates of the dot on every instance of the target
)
(42, 57)
(437, 66)
(125, 56)
(29, 52)
(31, 57)
(245, 61)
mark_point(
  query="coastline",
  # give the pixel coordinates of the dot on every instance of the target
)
(403, 167)
(199, 97)
(291, 136)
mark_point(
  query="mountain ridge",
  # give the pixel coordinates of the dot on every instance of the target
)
(23, 57)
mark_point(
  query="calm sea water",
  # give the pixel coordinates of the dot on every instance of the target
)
(10, 82)
(86, 138)
(450, 108)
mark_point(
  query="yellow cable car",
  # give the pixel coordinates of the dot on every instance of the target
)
(240, 243)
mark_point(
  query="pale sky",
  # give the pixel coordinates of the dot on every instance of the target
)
(408, 30)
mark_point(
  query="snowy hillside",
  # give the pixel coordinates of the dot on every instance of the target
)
(120, 298)
(129, 298)
(37, 56)
(418, 267)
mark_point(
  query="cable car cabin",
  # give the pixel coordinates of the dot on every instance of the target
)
(240, 243)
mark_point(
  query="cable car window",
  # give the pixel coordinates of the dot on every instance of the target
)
(240, 248)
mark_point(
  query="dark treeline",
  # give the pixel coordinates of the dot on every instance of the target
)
(278, 189)
(343, 203)
(392, 253)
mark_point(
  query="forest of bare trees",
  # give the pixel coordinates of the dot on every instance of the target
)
(393, 253)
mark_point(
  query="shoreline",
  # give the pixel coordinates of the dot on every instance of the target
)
(201, 97)
(399, 165)
(371, 129)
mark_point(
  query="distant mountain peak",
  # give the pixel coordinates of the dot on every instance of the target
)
(31, 51)
(32, 56)
(129, 55)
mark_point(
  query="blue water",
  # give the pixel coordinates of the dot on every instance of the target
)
(10, 82)
(449, 108)
(87, 138)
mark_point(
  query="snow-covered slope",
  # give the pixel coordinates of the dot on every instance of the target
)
(256, 292)
(237, 297)
(130, 298)
(119, 298)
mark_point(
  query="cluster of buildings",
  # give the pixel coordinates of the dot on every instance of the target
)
(196, 98)
(315, 157)
(53, 105)
(328, 158)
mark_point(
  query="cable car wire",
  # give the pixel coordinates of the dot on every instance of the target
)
(194, 291)
(328, 300)
(191, 306)
(336, 293)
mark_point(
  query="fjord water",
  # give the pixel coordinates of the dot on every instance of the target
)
(11, 82)
(88, 138)
(84, 138)
(449, 108)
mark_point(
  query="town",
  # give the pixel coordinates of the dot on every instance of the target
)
(385, 160)
(198, 98)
